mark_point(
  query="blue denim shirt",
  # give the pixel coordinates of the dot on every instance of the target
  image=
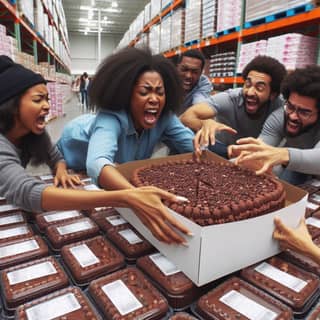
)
(90, 142)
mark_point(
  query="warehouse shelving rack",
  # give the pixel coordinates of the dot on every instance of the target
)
(305, 21)
(28, 39)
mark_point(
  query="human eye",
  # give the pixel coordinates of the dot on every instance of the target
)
(260, 87)
(304, 113)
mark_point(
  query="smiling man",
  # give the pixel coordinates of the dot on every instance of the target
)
(291, 135)
(243, 109)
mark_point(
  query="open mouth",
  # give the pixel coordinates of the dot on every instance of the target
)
(151, 116)
(41, 122)
(252, 105)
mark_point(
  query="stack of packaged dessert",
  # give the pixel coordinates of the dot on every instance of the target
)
(92, 264)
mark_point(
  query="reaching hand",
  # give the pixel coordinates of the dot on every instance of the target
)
(206, 135)
(255, 154)
(65, 179)
(147, 204)
(297, 239)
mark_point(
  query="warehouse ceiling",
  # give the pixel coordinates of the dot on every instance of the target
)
(116, 16)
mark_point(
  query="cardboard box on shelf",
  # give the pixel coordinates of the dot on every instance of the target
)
(217, 250)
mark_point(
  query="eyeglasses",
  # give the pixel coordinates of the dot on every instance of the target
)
(304, 114)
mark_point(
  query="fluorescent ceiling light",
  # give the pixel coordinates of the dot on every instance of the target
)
(113, 10)
(85, 20)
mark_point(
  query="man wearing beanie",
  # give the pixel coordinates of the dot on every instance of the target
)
(23, 139)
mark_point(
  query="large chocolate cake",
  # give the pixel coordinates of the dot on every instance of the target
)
(217, 192)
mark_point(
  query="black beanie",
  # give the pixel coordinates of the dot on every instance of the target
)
(15, 79)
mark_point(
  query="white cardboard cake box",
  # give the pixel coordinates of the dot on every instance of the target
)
(217, 250)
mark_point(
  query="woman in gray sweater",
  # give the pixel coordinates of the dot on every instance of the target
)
(24, 104)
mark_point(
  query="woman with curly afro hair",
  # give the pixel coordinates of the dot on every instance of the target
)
(135, 94)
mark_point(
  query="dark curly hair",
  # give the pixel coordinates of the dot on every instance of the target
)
(112, 85)
(192, 54)
(34, 147)
(304, 81)
(269, 66)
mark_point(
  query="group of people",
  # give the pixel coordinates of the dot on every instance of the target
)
(141, 100)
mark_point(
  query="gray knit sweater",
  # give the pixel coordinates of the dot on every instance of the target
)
(16, 185)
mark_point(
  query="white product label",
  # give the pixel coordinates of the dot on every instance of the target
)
(315, 197)
(121, 296)
(312, 206)
(130, 236)
(11, 219)
(284, 278)
(101, 208)
(12, 232)
(84, 255)
(46, 177)
(116, 220)
(315, 183)
(32, 272)
(92, 187)
(17, 248)
(61, 215)
(165, 265)
(74, 227)
(313, 222)
(247, 307)
(8, 207)
(53, 308)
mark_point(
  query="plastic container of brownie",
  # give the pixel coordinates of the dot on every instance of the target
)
(67, 304)
(182, 316)
(174, 284)
(61, 234)
(12, 218)
(46, 219)
(127, 294)
(15, 232)
(131, 243)
(6, 208)
(237, 299)
(30, 280)
(314, 314)
(313, 225)
(23, 250)
(292, 285)
(90, 259)
(107, 219)
(301, 260)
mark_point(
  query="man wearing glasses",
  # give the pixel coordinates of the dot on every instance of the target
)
(240, 112)
(290, 139)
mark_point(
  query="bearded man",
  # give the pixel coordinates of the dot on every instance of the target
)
(239, 112)
(290, 139)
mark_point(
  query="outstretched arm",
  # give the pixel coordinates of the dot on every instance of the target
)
(194, 115)
(146, 202)
(297, 239)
